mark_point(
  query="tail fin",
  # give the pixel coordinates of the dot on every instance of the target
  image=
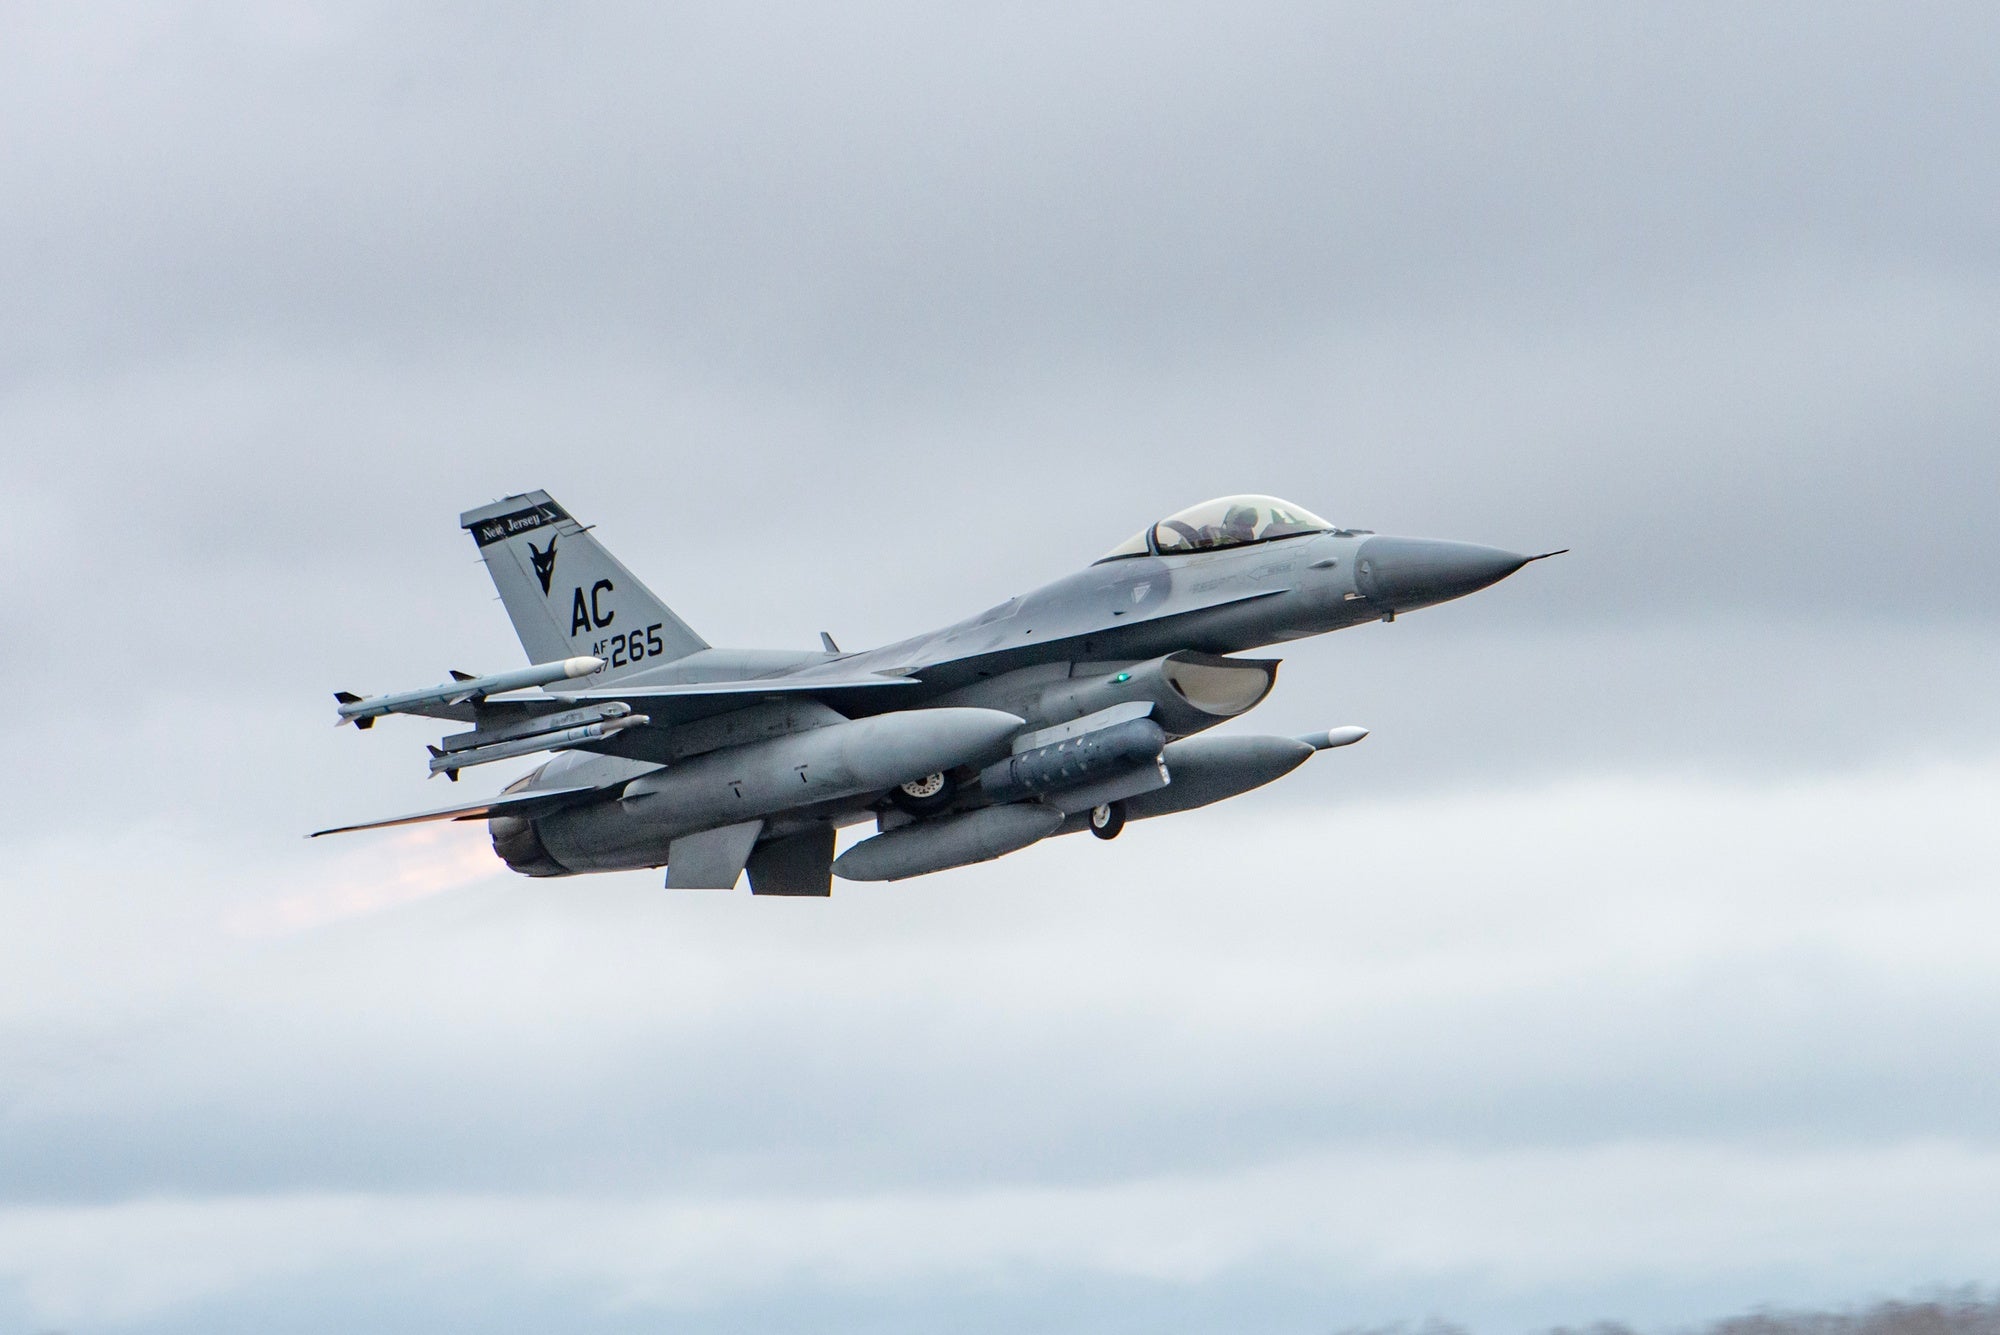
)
(566, 595)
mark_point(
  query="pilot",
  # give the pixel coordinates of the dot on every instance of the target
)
(1239, 525)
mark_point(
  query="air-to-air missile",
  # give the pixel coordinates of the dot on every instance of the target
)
(534, 726)
(1077, 706)
(588, 725)
(363, 712)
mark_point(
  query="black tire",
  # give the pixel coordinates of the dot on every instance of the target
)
(926, 796)
(1106, 821)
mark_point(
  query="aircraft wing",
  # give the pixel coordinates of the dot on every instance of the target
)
(663, 707)
(506, 804)
(679, 702)
(666, 704)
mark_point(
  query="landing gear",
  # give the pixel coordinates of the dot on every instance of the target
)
(1106, 821)
(925, 796)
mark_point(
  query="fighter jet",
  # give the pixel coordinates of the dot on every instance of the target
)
(1080, 706)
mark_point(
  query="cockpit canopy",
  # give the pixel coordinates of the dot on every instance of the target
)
(1231, 521)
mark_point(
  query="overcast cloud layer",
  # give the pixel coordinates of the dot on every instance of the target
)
(1644, 963)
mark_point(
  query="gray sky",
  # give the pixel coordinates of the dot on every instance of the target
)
(1641, 964)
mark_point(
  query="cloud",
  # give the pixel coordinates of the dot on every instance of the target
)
(1667, 863)
(1609, 959)
(1492, 1223)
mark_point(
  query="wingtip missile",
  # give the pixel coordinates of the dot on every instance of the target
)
(361, 712)
(1333, 737)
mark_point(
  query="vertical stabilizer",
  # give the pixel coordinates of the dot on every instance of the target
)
(566, 595)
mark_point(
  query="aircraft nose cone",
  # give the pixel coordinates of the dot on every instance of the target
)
(1402, 573)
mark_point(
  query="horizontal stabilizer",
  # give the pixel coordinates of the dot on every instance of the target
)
(507, 804)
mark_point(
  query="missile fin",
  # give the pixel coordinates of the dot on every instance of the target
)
(349, 698)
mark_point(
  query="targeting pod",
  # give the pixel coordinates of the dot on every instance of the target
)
(1075, 761)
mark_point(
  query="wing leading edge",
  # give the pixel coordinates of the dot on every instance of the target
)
(666, 703)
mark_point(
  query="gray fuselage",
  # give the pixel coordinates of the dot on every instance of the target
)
(1143, 627)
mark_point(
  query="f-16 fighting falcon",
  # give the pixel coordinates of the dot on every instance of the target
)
(1079, 706)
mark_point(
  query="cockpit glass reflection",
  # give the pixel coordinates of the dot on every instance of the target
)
(1233, 521)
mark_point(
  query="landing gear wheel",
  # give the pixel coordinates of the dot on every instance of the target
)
(1106, 821)
(921, 797)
